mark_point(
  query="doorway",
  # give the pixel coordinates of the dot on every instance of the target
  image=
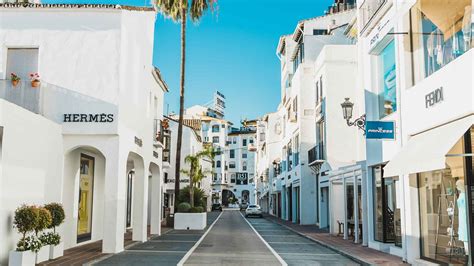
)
(324, 207)
(86, 191)
(290, 203)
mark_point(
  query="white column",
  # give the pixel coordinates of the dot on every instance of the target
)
(344, 189)
(156, 205)
(329, 211)
(115, 194)
(140, 202)
(356, 208)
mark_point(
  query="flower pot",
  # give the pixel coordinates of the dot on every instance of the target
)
(15, 82)
(35, 83)
(56, 251)
(43, 254)
(23, 258)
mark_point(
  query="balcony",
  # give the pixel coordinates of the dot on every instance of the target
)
(316, 156)
(368, 10)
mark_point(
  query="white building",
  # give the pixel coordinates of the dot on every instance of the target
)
(191, 144)
(417, 64)
(88, 132)
(241, 165)
(300, 73)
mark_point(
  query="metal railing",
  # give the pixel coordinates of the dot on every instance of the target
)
(368, 9)
(316, 153)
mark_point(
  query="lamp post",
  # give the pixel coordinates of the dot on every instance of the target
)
(347, 108)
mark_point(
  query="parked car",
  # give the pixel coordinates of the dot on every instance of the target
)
(253, 210)
(216, 207)
(243, 206)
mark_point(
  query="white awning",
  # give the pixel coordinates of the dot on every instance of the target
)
(427, 151)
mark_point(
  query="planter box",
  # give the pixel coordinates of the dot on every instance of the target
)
(21, 258)
(190, 221)
(56, 251)
(43, 254)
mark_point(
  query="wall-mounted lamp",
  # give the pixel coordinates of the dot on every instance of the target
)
(347, 107)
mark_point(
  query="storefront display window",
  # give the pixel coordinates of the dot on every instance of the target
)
(444, 210)
(386, 212)
(388, 81)
(86, 183)
(443, 32)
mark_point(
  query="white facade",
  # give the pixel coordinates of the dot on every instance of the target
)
(191, 144)
(96, 80)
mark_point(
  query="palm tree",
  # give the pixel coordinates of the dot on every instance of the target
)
(178, 11)
(195, 172)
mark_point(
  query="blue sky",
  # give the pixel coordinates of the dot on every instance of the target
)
(232, 51)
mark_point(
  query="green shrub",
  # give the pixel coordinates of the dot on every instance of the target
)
(196, 209)
(25, 220)
(50, 238)
(44, 220)
(184, 207)
(199, 196)
(57, 214)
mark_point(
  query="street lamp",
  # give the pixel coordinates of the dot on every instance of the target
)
(347, 108)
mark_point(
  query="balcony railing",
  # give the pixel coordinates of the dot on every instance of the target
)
(368, 9)
(316, 154)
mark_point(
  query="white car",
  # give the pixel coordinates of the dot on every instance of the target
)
(253, 210)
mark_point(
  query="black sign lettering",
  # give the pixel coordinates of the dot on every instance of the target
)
(88, 118)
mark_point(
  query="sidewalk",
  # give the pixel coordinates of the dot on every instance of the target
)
(348, 248)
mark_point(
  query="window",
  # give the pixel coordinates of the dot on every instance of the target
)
(296, 155)
(386, 212)
(251, 140)
(244, 155)
(295, 107)
(232, 154)
(299, 57)
(232, 165)
(214, 177)
(320, 32)
(215, 128)
(319, 90)
(288, 156)
(244, 166)
(218, 164)
(244, 142)
(234, 140)
(387, 81)
(232, 178)
(22, 62)
(446, 34)
(444, 208)
(215, 139)
(222, 126)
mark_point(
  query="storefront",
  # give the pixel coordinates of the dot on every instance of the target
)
(445, 184)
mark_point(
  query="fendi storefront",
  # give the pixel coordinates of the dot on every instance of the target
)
(440, 163)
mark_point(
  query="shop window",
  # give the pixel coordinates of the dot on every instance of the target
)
(388, 81)
(444, 209)
(441, 33)
(387, 216)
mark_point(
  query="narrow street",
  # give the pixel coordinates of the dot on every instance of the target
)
(232, 240)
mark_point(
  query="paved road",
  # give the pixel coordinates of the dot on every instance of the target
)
(295, 249)
(232, 242)
(167, 249)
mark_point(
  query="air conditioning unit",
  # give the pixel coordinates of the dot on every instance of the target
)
(293, 116)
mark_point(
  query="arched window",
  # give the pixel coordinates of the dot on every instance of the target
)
(218, 164)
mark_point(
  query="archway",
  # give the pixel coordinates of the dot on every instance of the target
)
(245, 196)
(83, 195)
(226, 196)
(139, 200)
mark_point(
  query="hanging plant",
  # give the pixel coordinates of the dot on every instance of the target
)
(35, 80)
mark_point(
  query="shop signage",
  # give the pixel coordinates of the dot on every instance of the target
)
(434, 97)
(88, 118)
(380, 130)
(242, 176)
(138, 141)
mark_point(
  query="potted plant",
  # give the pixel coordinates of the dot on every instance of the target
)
(15, 79)
(35, 80)
(24, 221)
(53, 238)
(44, 221)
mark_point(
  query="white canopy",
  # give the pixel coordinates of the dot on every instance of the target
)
(427, 151)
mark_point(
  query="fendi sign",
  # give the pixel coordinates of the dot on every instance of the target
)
(434, 97)
(88, 118)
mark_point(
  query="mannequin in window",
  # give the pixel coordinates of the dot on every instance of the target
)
(462, 219)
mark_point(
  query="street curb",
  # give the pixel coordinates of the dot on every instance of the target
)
(333, 248)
